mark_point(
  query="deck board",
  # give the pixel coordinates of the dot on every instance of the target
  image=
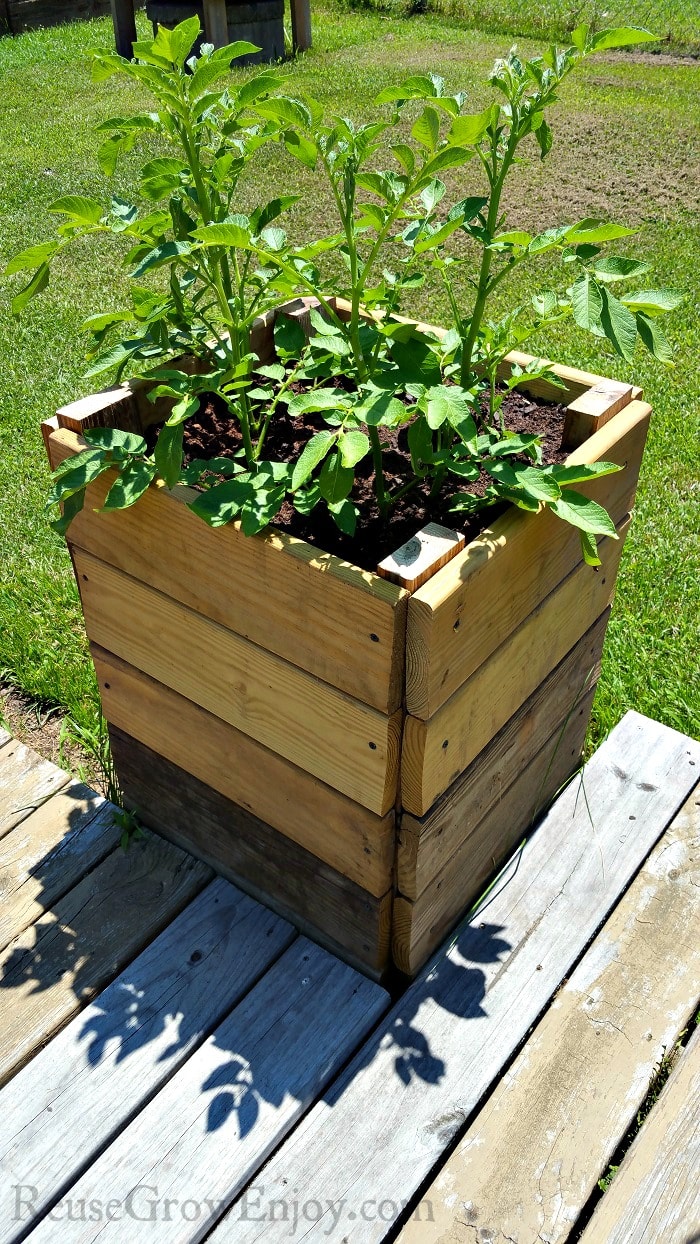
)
(53, 968)
(432, 1060)
(585, 1071)
(214, 1123)
(655, 1196)
(49, 851)
(58, 1113)
(26, 781)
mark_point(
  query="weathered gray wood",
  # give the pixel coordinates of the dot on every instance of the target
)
(216, 22)
(124, 23)
(55, 967)
(212, 1126)
(301, 24)
(531, 1158)
(49, 852)
(655, 1196)
(5, 737)
(26, 781)
(384, 1125)
(68, 1103)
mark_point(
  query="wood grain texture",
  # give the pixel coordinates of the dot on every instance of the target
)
(656, 1193)
(347, 744)
(425, 844)
(576, 382)
(30, 14)
(435, 753)
(332, 909)
(593, 409)
(344, 625)
(463, 613)
(61, 1110)
(216, 22)
(52, 969)
(531, 1158)
(49, 852)
(420, 926)
(212, 1126)
(5, 737)
(26, 782)
(419, 558)
(430, 1063)
(356, 842)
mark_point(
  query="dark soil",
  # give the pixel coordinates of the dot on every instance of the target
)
(212, 434)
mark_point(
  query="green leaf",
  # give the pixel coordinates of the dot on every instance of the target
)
(335, 480)
(312, 454)
(113, 440)
(594, 231)
(303, 149)
(183, 39)
(589, 548)
(469, 130)
(344, 515)
(168, 453)
(654, 338)
(80, 208)
(447, 404)
(76, 460)
(288, 111)
(38, 283)
(114, 357)
(586, 302)
(404, 155)
(449, 157)
(544, 303)
(419, 86)
(71, 506)
(274, 237)
(261, 84)
(130, 484)
(534, 483)
(226, 234)
(581, 512)
(79, 476)
(426, 130)
(417, 363)
(222, 503)
(543, 134)
(380, 409)
(547, 240)
(579, 474)
(353, 447)
(616, 268)
(653, 301)
(32, 257)
(167, 252)
(621, 37)
(290, 337)
(319, 399)
(432, 194)
(618, 324)
(98, 323)
(259, 511)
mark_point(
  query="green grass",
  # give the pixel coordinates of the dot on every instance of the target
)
(626, 144)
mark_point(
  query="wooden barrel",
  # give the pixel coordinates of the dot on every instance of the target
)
(260, 22)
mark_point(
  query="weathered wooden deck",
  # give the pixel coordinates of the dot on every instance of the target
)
(178, 1063)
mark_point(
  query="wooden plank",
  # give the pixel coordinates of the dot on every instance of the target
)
(81, 1090)
(109, 408)
(26, 781)
(583, 1074)
(344, 625)
(430, 1063)
(345, 743)
(357, 843)
(5, 737)
(301, 24)
(124, 23)
(216, 22)
(463, 613)
(319, 900)
(593, 409)
(656, 1193)
(426, 843)
(49, 852)
(52, 969)
(436, 752)
(420, 926)
(422, 556)
(576, 382)
(217, 1120)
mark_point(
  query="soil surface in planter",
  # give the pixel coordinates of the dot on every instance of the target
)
(212, 433)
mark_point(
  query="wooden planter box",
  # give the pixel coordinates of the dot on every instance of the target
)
(360, 758)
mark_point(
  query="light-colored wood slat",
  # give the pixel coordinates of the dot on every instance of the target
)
(109, 408)
(576, 382)
(655, 1195)
(462, 614)
(344, 625)
(213, 1125)
(593, 409)
(531, 1158)
(49, 852)
(61, 1110)
(52, 969)
(343, 742)
(345, 835)
(420, 926)
(399, 1104)
(321, 901)
(425, 844)
(26, 781)
(422, 556)
(435, 753)
(4, 737)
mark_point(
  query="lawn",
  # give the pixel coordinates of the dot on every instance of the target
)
(625, 145)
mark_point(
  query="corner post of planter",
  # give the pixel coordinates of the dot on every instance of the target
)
(216, 22)
(301, 24)
(124, 23)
